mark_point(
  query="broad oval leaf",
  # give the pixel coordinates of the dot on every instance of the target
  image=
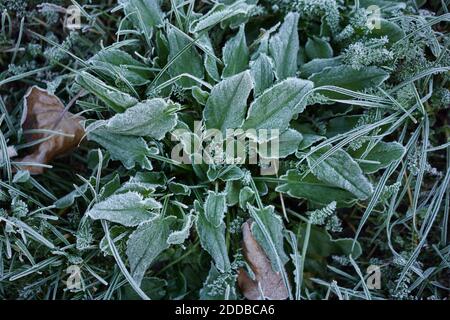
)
(317, 48)
(184, 58)
(312, 189)
(284, 47)
(262, 73)
(235, 54)
(340, 170)
(277, 105)
(146, 243)
(227, 103)
(150, 118)
(212, 239)
(128, 209)
(117, 100)
(346, 77)
(127, 149)
(381, 155)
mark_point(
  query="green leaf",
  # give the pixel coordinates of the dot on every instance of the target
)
(227, 103)
(349, 78)
(112, 62)
(312, 189)
(128, 209)
(382, 154)
(235, 54)
(208, 61)
(262, 73)
(150, 118)
(224, 173)
(284, 47)
(215, 207)
(277, 105)
(146, 243)
(246, 196)
(145, 14)
(340, 170)
(387, 29)
(317, 48)
(179, 236)
(219, 13)
(145, 182)
(113, 98)
(200, 95)
(188, 62)
(288, 143)
(129, 150)
(268, 232)
(317, 65)
(212, 239)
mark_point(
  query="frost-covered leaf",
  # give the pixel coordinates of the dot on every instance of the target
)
(288, 143)
(246, 195)
(209, 62)
(227, 103)
(179, 188)
(215, 207)
(262, 73)
(381, 155)
(317, 65)
(212, 239)
(388, 29)
(267, 284)
(128, 209)
(218, 14)
(277, 105)
(112, 62)
(127, 149)
(284, 46)
(144, 182)
(117, 100)
(224, 173)
(342, 171)
(145, 14)
(146, 243)
(150, 118)
(200, 95)
(346, 77)
(235, 54)
(312, 189)
(179, 236)
(317, 48)
(267, 229)
(188, 62)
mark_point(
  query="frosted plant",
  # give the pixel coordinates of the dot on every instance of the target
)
(362, 54)
(326, 216)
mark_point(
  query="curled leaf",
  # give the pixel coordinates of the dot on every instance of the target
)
(267, 283)
(44, 111)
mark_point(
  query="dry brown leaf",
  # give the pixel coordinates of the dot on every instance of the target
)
(267, 284)
(43, 110)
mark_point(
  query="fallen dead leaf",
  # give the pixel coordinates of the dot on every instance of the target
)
(42, 110)
(267, 284)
